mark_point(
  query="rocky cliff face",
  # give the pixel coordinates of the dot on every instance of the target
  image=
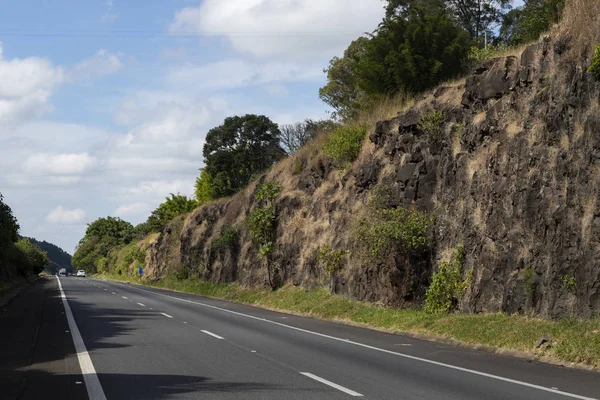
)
(509, 169)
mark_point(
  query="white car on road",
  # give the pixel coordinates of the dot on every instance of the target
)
(81, 273)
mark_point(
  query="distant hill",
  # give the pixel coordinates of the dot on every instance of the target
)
(58, 257)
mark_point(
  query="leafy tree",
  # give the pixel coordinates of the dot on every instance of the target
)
(9, 228)
(297, 135)
(205, 187)
(475, 16)
(413, 51)
(527, 23)
(101, 236)
(238, 150)
(115, 229)
(342, 91)
(36, 258)
(58, 258)
(169, 209)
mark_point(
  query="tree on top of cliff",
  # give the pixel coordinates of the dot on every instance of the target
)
(410, 51)
(475, 16)
(238, 150)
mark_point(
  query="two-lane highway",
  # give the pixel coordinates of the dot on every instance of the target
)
(142, 343)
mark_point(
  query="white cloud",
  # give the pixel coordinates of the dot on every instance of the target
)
(282, 28)
(25, 88)
(238, 73)
(101, 63)
(59, 164)
(62, 216)
(126, 210)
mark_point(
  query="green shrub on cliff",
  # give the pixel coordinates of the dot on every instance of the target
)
(384, 230)
(331, 260)
(344, 144)
(448, 285)
(594, 69)
(262, 219)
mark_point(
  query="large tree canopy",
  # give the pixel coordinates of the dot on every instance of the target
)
(342, 91)
(413, 52)
(475, 16)
(238, 150)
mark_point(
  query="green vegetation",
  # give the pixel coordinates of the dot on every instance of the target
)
(235, 152)
(448, 285)
(101, 236)
(204, 187)
(431, 124)
(478, 55)
(569, 283)
(331, 260)
(19, 257)
(526, 23)
(594, 69)
(389, 230)
(263, 218)
(172, 207)
(344, 144)
(572, 340)
(227, 239)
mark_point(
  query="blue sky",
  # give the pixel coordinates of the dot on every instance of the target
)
(104, 105)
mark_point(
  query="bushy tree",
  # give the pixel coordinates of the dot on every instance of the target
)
(413, 52)
(238, 150)
(101, 236)
(342, 91)
(115, 229)
(205, 187)
(475, 16)
(172, 207)
(35, 257)
(9, 228)
(527, 23)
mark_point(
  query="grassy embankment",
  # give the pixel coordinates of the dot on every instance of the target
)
(571, 340)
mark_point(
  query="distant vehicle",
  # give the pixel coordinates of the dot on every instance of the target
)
(81, 273)
(62, 272)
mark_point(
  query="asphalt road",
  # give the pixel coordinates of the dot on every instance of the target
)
(142, 343)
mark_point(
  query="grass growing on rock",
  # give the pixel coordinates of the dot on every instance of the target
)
(571, 340)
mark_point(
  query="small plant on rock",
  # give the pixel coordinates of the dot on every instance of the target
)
(569, 283)
(226, 240)
(263, 221)
(448, 285)
(331, 260)
(431, 124)
(385, 230)
(594, 69)
(344, 144)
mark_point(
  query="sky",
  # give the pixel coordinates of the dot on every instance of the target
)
(105, 104)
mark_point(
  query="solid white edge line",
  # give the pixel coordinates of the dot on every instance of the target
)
(333, 385)
(212, 334)
(366, 346)
(140, 304)
(167, 315)
(92, 383)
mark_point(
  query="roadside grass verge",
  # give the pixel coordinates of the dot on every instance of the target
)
(571, 340)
